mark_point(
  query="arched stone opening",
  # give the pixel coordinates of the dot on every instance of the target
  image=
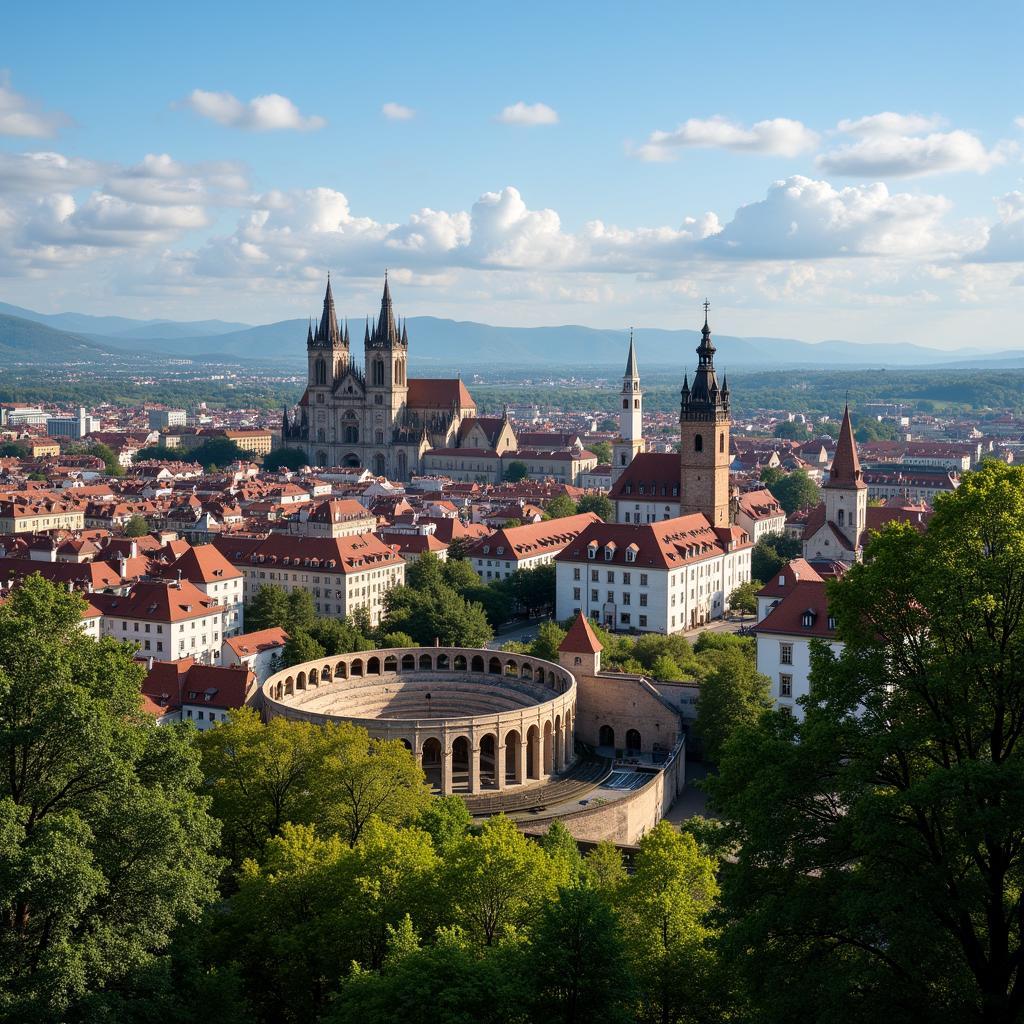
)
(533, 752)
(632, 741)
(314, 677)
(513, 757)
(488, 761)
(356, 667)
(540, 676)
(442, 662)
(426, 663)
(460, 764)
(549, 748)
(341, 670)
(527, 671)
(405, 743)
(459, 663)
(289, 686)
(494, 666)
(478, 663)
(373, 666)
(511, 669)
(408, 662)
(557, 738)
(430, 758)
(606, 736)
(300, 681)
(390, 663)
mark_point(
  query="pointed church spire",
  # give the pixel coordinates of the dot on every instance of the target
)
(366, 334)
(705, 394)
(846, 471)
(345, 335)
(386, 331)
(328, 333)
(309, 334)
(632, 373)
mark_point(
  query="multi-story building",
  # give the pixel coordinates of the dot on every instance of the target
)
(511, 548)
(215, 577)
(75, 427)
(164, 620)
(337, 517)
(784, 638)
(162, 419)
(657, 577)
(260, 652)
(911, 483)
(342, 573)
(759, 513)
(23, 515)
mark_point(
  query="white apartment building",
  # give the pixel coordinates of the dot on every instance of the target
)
(341, 573)
(164, 620)
(660, 577)
(784, 638)
(760, 514)
(260, 652)
(511, 548)
(215, 577)
(647, 491)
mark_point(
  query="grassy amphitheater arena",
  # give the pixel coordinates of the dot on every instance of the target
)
(477, 720)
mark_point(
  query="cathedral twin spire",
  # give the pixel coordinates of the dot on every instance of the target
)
(328, 333)
(384, 334)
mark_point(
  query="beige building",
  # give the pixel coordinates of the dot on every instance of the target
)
(23, 515)
(512, 548)
(342, 574)
(337, 517)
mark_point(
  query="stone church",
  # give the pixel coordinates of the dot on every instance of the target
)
(373, 416)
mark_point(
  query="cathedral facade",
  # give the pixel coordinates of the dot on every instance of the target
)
(374, 415)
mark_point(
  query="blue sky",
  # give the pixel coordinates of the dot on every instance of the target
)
(837, 171)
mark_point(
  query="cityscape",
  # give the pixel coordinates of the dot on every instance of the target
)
(508, 614)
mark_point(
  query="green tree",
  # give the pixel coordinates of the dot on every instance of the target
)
(599, 504)
(791, 430)
(13, 450)
(447, 820)
(771, 475)
(560, 507)
(460, 576)
(267, 609)
(110, 458)
(218, 451)
(795, 491)
(765, 561)
(665, 903)
(734, 694)
(499, 881)
(516, 471)
(603, 870)
(666, 668)
(136, 527)
(533, 590)
(300, 647)
(285, 458)
(744, 598)
(549, 638)
(104, 844)
(563, 854)
(158, 453)
(880, 841)
(603, 451)
(576, 963)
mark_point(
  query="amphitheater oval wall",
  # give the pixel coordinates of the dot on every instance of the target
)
(477, 720)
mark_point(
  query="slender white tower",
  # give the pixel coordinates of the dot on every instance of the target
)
(631, 417)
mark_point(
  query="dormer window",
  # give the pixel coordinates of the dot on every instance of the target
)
(831, 622)
(631, 553)
(808, 619)
(782, 581)
(609, 554)
(592, 550)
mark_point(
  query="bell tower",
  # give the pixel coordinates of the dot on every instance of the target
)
(387, 384)
(704, 438)
(630, 441)
(327, 351)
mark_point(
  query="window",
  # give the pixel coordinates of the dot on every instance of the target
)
(785, 686)
(576, 573)
(785, 654)
(643, 620)
(807, 619)
(624, 618)
(626, 578)
(643, 579)
(643, 600)
(575, 593)
(593, 596)
(698, 443)
(611, 575)
(831, 622)
(611, 597)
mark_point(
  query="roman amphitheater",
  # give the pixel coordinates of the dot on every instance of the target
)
(478, 720)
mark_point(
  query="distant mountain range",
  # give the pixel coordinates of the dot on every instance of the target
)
(27, 336)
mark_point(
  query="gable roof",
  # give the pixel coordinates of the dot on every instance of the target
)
(788, 616)
(650, 475)
(438, 393)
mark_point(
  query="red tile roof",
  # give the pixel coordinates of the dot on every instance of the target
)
(257, 641)
(203, 564)
(531, 539)
(434, 393)
(807, 597)
(157, 602)
(650, 475)
(845, 471)
(321, 554)
(581, 638)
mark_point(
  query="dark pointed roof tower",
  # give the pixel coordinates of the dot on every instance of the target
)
(328, 335)
(705, 394)
(631, 368)
(385, 331)
(845, 471)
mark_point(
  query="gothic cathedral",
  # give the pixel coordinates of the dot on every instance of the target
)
(375, 416)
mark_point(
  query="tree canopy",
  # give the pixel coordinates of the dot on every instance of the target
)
(880, 841)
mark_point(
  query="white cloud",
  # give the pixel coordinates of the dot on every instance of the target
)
(528, 114)
(1019, 122)
(779, 136)
(36, 172)
(272, 112)
(1005, 242)
(397, 112)
(889, 123)
(20, 116)
(162, 181)
(884, 149)
(805, 219)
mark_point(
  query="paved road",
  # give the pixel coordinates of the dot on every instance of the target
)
(521, 634)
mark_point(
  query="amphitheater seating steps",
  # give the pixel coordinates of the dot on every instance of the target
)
(582, 777)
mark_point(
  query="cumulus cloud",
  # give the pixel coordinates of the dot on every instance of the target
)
(801, 218)
(20, 116)
(779, 136)
(890, 123)
(528, 114)
(892, 145)
(397, 112)
(40, 172)
(1005, 242)
(162, 181)
(272, 112)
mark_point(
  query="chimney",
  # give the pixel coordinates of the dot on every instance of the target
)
(149, 663)
(178, 583)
